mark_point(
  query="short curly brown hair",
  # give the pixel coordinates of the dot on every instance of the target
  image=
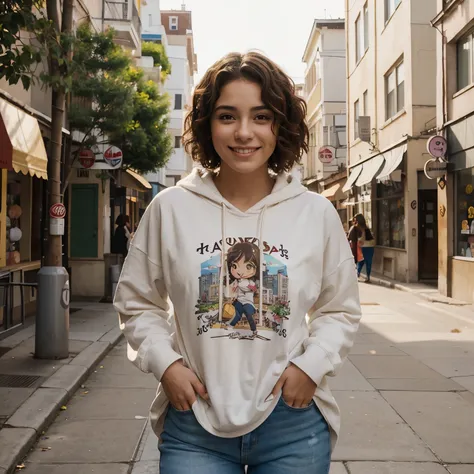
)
(278, 94)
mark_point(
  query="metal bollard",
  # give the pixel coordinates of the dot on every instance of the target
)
(52, 314)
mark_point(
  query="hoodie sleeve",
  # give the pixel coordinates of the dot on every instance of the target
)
(141, 300)
(334, 318)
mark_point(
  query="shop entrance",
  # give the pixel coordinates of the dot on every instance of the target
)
(428, 233)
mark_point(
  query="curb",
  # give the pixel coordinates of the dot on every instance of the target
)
(22, 430)
(426, 296)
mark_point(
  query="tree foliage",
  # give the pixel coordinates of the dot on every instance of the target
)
(28, 37)
(127, 110)
(146, 143)
(160, 58)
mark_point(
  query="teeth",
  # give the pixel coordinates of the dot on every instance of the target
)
(244, 151)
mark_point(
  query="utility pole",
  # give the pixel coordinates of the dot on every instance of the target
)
(52, 319)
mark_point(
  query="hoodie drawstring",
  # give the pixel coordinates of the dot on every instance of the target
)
(224, 273)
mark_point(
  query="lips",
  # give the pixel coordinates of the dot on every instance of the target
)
(244, 150)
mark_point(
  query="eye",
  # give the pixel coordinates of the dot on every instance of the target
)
(234, 266)
(226, 117)
(249, 267)
(263, 118)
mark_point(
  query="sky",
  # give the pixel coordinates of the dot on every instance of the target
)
(278, 28)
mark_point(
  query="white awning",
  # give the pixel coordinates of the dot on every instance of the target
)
(22, 143)
(355, 172)
(333, 193)
(370, 169)
(393, 158)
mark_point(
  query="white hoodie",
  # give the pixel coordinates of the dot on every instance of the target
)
(298, 264)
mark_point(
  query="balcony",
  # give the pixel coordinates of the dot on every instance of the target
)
(124, 18)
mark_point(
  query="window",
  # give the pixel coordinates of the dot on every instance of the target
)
(177, 142)
(395, 90)
(464, 213)
(390, 7)
(359, 40)
(173, 23)
(356, 119)
(365, 103)
(178, 101)
(465, 61)
(390, 215)
(366, 27)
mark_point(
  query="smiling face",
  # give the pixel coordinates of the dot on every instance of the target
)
(242, 127)
(241, 269)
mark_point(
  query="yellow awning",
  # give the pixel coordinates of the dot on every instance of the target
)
(330, 193)
(28, 153)
(139, 178)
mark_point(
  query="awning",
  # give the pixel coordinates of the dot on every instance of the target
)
(333, 193)
(355, 173)
(22, 143)
(370, 169)
(138, 182)
(393, 158)
(310, 181)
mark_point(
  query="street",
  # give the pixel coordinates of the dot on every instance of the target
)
(406, 395)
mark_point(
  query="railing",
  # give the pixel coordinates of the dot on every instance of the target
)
(115, 10)
(8, 324)
(136, 22)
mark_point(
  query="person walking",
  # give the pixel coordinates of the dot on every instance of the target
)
(366, 242)
(235, 391)
(122, 236)
(353, 237)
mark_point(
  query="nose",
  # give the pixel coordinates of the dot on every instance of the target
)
(244, 131)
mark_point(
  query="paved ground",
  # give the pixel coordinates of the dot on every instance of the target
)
(406, 395)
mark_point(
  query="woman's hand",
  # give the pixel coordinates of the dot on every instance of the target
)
(181, 386)
(297, 387)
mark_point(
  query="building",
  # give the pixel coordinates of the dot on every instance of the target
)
(179, 85)
(392, 82)
(454, 28)
(325, 93)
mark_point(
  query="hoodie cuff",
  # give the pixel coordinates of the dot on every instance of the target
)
(315, 363)
(159, 359)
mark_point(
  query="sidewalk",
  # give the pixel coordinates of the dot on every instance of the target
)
(425, 291)
(406, 395)
(32, 390)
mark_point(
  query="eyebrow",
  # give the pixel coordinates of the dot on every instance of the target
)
(234, 109)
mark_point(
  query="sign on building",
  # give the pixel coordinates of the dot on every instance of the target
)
(435, 168)
(326, 154)
(437, 146)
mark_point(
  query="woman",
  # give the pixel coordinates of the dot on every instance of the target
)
(122, 236)
(228, 399)
(367, 243)
(353, 237)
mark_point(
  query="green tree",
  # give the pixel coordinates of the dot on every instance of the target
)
(146, 143)
(160, 58)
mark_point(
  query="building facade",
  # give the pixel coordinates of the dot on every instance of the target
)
(454, 27)
(325, 93)
(179, 86)
(391, 94)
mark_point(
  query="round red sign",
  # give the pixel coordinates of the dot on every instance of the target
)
(326, 154)
(86, 158)
(57, 211)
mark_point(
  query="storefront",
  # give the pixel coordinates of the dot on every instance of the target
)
(385, 188)
(333, 191)
(24, 161)
(456, 225)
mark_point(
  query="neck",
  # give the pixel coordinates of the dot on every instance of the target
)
(244, 190)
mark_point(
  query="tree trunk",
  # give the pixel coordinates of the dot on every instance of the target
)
(58, 112)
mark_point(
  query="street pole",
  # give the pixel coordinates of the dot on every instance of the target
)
(52, 315)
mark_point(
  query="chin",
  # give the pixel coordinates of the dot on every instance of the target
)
(245, 167)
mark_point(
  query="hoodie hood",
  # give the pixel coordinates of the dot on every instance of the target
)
(201, 182)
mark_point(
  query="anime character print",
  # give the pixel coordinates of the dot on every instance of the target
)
(234, 303)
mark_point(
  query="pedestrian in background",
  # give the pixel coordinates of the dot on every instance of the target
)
(232, 395)
(366, 242)
(354, 234)
(122, 236)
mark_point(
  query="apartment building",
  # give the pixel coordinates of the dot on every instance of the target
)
(325, 93)
(454, 28)
(391, 113)
(179, 85)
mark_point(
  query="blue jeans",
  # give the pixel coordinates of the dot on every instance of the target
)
(289, 441)
(240, 310)
(368, 253)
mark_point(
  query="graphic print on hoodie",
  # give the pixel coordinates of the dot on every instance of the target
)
(252, 308)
